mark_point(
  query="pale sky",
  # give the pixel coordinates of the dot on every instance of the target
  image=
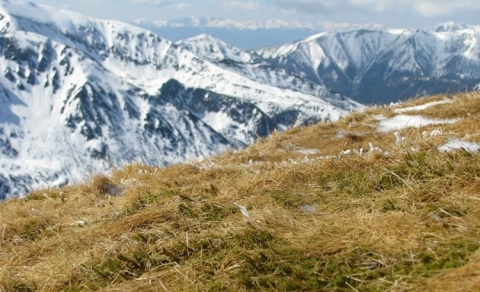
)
(389, 13)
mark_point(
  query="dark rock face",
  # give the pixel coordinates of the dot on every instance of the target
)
(199, 102)
(4, 188)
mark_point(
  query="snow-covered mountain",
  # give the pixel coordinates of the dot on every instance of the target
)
(379, 66)
(242, 34)
(252, 66)
(216, 50)
(80, 95)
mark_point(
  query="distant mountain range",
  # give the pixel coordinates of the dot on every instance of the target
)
(246, 35)
(383, 65)
(82, 96)
(229, 23)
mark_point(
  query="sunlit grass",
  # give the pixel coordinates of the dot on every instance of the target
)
(330, 207)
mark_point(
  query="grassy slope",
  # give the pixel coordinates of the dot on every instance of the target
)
(403, 220)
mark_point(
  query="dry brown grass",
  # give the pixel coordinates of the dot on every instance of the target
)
(401, 217)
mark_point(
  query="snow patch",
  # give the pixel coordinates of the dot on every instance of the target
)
(307, 151)
(408, 121)
(433, 133)
(217, 120)
(455, 144)
(423, 106)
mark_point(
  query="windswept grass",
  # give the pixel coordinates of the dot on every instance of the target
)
(330, 207)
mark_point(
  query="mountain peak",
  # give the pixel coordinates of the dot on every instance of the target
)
(449, 27)
(23, 13)
(215, 49)
(41, 19)
(206, 37)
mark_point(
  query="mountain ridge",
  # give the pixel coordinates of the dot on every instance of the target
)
(367, 64)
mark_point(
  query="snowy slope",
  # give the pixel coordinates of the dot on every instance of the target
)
(252, 66)
(217, 50)
(80, 95)
(378, 66)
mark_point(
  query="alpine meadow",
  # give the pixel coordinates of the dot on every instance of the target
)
(359, 204)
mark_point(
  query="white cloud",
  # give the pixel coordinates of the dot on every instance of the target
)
(376, 5)
(307, 6)
(180, 6)
(153, 2)
(238, 4)
(167, 3)
(441, 7)
(427, 8)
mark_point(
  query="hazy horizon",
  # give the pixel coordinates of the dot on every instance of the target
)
(387, 13)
